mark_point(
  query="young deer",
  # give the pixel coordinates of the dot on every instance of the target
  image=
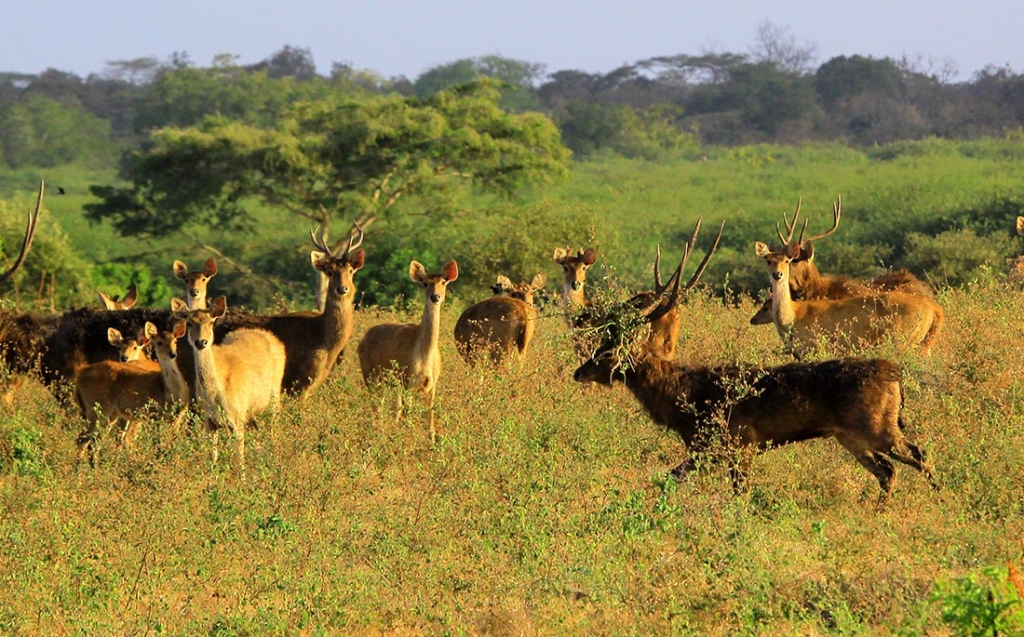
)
(316, 340)
(574, 270)
(108, 302)
(857, 401)
(165, 348)
(411, 350)
(128, 349)
(808, 283)
(196, 282)
(498, 327)
(909, 319)
(236, 379)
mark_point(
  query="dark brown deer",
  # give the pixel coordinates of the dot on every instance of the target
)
(410, 351)
(501, 327)
(857, 401)
(808, 283)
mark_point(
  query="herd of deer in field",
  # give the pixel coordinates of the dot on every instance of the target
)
(234, 366)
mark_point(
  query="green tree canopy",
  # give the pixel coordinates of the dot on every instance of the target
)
(355, 157)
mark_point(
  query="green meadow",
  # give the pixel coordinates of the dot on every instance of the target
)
(545, 506)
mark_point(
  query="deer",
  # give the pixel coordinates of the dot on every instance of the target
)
(807, 282)
(236, 379)
(910, 320)
(196, 282)
(108, 302)
(574, 270)
(500, 327)
(858, 402)
(410, 351)
(316, 340)
(117, 391)
(128, 349)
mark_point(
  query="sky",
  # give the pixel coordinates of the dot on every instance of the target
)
(407, 37)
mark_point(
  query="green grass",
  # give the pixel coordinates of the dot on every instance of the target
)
(543, 508)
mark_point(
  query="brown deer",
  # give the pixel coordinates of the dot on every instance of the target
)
(117, 391)
(196, 282)
(910, 320)
(316, 340)
(500, 327)
(236, 379)
(108, 302)
(857, 401)
(664, 331)
(410, 351)
(128, 349)
(574, 270)
(808, 283)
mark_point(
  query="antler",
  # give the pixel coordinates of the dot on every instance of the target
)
(663, 305)
(707, 257)
(790, 227)
(30, 233)
(351, 237)
(322, 246)
(837, 208)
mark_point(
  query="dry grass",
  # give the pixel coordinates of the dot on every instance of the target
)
(544, 508)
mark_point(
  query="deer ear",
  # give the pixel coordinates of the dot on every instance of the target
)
(357, 258)
(105, 301)
(130, 298)
(761, 249)
(180, 270)
(793, 251)
(210, 267)
(318, 259)
(417, 272)
(149, 330)
(589, 257)
(177, 305)
(539, 280)
(219, 306)
(114, 336)
(451, 271)
(560, 254)
(179, 328)
(504, 281)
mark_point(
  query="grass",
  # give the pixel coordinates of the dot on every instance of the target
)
(543, 508)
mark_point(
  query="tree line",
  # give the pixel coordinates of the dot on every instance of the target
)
(771, 95)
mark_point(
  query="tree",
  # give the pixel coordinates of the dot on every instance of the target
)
(518, 94)
(355, 158)
(777, 46)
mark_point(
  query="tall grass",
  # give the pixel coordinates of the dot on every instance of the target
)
(543, 508)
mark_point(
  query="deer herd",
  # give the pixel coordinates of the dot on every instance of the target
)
(231, 367)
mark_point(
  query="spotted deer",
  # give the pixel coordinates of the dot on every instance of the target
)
(501, 327)
(410, 351)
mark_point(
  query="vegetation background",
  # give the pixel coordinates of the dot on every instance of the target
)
(545, 506)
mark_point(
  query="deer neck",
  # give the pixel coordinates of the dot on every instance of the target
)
(430, 330)
(664, 390)
(208, 382)
(174, 382)
(783, 308)
(337, 311)
(573, 298)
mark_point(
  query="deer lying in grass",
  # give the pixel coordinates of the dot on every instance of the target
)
(410, 351)
(856, 401)
(498, 328)
(235, 380)
(117, 391)
(910, 320)
(807, 283)
(196, 282)
(108, 302)
(316, 340)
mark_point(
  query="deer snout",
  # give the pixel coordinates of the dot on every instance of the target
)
(194, 293)
(201, 343)
(777, 276)
(343, 290)
(435, 298)
(576, 285)
(124, 359)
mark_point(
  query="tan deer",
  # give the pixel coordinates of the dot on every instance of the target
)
(808, 283)
(500, 327)
(410, 351)
(574, 271)
(196, 282)
(165, 348)
(128, 349)
(236, 379)
(856, 401)
(911, 321)
(108, 302)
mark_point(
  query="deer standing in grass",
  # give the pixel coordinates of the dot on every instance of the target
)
(808, 283)
(498, 328)
(410, 351)
(108, 302)
(196, 282)
(910, 320)
(236, 379)
(574, 271)
(857, 401)
(316, 340)
(116, 391)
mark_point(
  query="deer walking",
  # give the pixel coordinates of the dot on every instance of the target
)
(236, 379)
(910, 320)
(410, 351)
(857, 401)
(498, 328)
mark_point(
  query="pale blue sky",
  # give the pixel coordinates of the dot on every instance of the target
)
(407, 37)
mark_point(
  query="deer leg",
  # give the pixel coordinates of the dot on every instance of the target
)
(913, 456)
(214, 437)
(430, 416)
(681, 470)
